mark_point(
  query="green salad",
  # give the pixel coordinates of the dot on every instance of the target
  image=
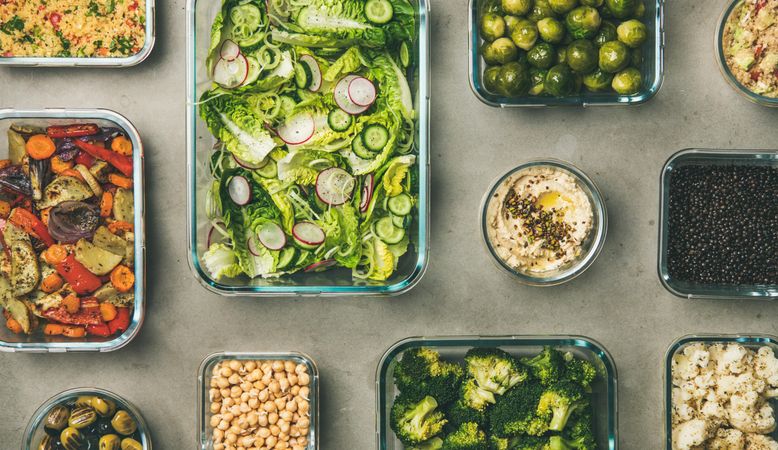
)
(314, 165)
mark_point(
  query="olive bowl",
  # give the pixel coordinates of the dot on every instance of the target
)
(35, 432)
(591, 247)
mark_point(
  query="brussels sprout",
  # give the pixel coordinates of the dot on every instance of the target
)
(551, 30)
(636, 57)
(562, 6)
(492, 26)
(537, 79)
(541, 10)
(542, 56)
(511, 22)
(500, 51)
(560, 81)
(561, 55)
(516, 7)
(606, 33)
(490, 78)
(525, 34)
(621, 9)
(582, 56)
(614, 56)
(594, 3)
(633, 33)
(513, 80)
(640, 10)
(627, 81)
(598, 80)
(583, 22)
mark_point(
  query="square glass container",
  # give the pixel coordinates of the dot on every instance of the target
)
(412, 265)
(204, 440)
(127, 61)
(652, 68)
(454, 348)
(38, 342)
(749, 341)
(706, 157)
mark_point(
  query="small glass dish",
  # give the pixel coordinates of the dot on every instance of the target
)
(35, 432)
(722, 59)
(204, 431)
(747, 340)
(453, 348)
(706, 157)
(591, 247)
(652, 68)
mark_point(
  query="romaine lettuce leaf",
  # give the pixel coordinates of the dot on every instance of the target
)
(349, 62)
(303, 166)
(241, 129)
(341, 228)
(395, 173)
(221, 261)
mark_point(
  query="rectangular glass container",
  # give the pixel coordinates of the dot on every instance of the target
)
(453, 348)
(38, 342)
(707, 157)
(204, 440)
(749, 341)
(412, 265)
(652, 69)
(128, 61)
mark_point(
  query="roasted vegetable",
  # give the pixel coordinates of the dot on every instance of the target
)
(90, 180)
(63, 189)
(16, 150)
(19, 311)
(25, 271)
(14, 179)
(108, 293)
(95, 259)
(123, 207)
(106, 240)
(73, 220)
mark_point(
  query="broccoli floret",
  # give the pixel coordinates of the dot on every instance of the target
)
(580, 430)
(467, 437)
(494, 370)
(432, 444)
(516, 412)
(559, 401)
(548, 366)
(421, 372)
(470, 405)
(415, 422)
(519, 443)
(560, 443)
(580, 371)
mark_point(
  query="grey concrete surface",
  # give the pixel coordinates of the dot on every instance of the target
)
(618, 302)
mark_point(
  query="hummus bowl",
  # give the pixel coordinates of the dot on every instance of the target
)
(544, 222)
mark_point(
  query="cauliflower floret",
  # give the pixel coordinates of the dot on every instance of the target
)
(691, 393)
(760, 442)
(766, 366)
(705, 380)
(714, 354)
(727, 439)
(682, 411)
(715, 412)
(687, 364)
(736, 359)
(747, 382)
(747, 415)
(691, 434)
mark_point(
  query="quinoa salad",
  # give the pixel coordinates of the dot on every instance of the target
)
(750, 45)
(72, 28)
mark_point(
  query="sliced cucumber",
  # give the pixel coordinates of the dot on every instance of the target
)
(401, 221)
(375, 137)
(400, 205)
(405, 54)
(249, 42)
(301, 259)
(269, 170)
(379, 11)
(387, 232)
(254, 69)
(339, 120)
(302, 75)
(285, 257)
(359, 149)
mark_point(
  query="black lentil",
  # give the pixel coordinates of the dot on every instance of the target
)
(723, 224)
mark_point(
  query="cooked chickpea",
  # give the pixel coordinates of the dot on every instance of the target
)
(234, 378)
(271, 441)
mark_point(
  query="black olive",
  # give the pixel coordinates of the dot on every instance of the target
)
(104, 427)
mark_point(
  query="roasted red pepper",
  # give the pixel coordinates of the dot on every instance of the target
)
(31, 224)
(102, 330)
(82, 317)
(79, 277)
(78, 130)
(122, 163)
(85, 159)
(121, 322)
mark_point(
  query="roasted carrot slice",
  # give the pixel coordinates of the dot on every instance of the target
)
(40, 146)
(122, 278)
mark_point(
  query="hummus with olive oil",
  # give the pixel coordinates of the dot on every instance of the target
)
(538, 219)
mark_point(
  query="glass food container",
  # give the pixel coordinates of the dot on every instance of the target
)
(706, 157)
(591, 247)
(652, 69)
(200, 142)
(204, 439)
(38, 342)
(453, 348)
(35, 432)
(61, 61)
(747, 340)
(722, 60)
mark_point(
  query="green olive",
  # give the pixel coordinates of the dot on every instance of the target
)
(551, 30)
(621, 9)
(103, 406)
(47, 443)
(614, 56)
(562, 6)
(492, 26)
(490, 78)
(540, 10)
(542, 56)
(537, 79)
(524, 34)
(131, 444)
(583, 22)
(560, 81)
(84, 400)
(606, 33)
(110, 442)
(82, 417)
(57, 418)
(72, 439)
(123, 423)
(516, 7)
(597, 81)
(627, 82)
(582, 56)
(500, 51)
(513, 80)
(633, 33)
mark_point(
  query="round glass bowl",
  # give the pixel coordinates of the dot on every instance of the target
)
(591, 246)
(34, 432)
(722, 59)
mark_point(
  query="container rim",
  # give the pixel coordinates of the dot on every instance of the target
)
(599, 210)
(38, 415)
(140, 231)
(712, 291)
(422, 246)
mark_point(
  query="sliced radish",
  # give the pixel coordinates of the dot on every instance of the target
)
(249, 166)
(252, 246)
(316, 78)
(297, 130)
(367, 192)
(342, 98)
(334, 186)
(240, 190)
(272, 236)
(321, 266)
(229, 50)
(231, 74)
(214, 235)
(361, 91)
(308, 233)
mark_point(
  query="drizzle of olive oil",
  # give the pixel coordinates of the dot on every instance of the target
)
(553, 200)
